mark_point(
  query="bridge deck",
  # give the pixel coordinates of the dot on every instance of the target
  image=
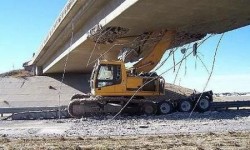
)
(138, 16)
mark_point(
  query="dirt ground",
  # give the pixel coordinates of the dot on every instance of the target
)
(17, 74)
(210, 130)
(228, 140)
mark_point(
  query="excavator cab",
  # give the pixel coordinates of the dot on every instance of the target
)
(105, 76)
(108, 75)
(111, 78)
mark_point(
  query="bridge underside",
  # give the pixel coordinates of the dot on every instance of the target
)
(135, 17)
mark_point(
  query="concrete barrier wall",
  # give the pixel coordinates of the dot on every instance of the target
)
(41, 91)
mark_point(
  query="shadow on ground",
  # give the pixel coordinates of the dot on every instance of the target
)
(210, 115)
(77, 81)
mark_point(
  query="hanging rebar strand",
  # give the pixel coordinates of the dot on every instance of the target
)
(64, 70)
(92, 52)
(204, 65)
(178, 69)
(173, 60)
(184, 51)
(165, 60)
(195, 54)
(195, 63)
(185, 72)
(210, 75)
(185, 65)
(199, 44)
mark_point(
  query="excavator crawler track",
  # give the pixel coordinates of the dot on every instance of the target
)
(84, 106)
(109, 105)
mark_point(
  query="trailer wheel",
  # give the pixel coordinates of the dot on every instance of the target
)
(149, 108)
(165, 107)
(185, 106)
(203, 105)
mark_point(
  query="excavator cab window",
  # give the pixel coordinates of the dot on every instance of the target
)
(105, 73)
(108, 75)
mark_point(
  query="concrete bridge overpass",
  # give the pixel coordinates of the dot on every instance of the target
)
(83, 24)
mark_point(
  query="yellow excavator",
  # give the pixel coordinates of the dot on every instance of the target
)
(137, 90)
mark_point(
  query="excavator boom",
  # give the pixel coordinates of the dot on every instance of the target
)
(147, 63)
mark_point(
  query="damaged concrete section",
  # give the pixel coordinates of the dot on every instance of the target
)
(144, 44)
(107, 35)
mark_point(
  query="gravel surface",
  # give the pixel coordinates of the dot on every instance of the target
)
(176, 123)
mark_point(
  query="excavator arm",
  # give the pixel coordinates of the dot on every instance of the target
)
(147, 63)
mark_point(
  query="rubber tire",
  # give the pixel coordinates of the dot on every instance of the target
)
(163, 104)
(147, 106)
(200, 105)
(185, 102)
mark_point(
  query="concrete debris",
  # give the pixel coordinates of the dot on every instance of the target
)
(176, 123)
(106, 35)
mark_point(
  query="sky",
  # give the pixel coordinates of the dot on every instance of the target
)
(25, 24)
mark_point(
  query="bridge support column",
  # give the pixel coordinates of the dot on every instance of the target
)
(38, 70)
